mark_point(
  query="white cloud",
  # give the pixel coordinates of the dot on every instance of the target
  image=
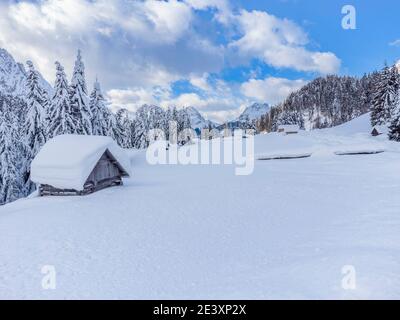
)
(126, 43)
(170, 19)
(138, 49)
(271, 90)
(224, 13)
(220, 101)
(200, 82)
(186, 100)
(224, 115)
(395, 43)
(280, 43)
(130, 98)
(149, 20)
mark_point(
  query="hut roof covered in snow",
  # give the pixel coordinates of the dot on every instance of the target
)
(66, 161)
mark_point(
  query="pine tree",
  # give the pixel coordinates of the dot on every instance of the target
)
(112, 126)
(123, 124)
(395, 85)
(141, 139)
(383, 102)
(184, 123)
(394, 128)
(150, 117)
(11, 175)
(47, 110)
(99, 111)
(183, 119)
(79, 98)
(34, 128)
(167, 119)
(61, 118)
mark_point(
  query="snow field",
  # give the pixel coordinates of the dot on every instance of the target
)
(200, 232)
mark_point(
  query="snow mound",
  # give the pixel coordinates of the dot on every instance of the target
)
(284, 156)
(66, 161)
(359, 150)
(361, 124)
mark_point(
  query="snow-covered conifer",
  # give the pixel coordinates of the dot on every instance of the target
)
(35, 122)
(394, 127)
(12, 182)
(99, 111)
(383, 102)
(61, 118)
(79, 98)
(183, 123)
(123, 127)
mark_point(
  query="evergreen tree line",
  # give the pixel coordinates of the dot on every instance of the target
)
(26, 124)
(324, 102)
(333, 100)
(385, 109)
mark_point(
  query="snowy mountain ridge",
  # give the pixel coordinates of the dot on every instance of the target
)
(197, 121)
(254, 111)
(13, 76)
(250, 115)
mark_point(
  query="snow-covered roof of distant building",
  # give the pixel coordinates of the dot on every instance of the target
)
(66, 161)
(289, 127)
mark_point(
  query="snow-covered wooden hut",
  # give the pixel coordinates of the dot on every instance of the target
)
(79, 165)
(289, 129)
(378, 130)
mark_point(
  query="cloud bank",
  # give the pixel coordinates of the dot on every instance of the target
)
(140, 49)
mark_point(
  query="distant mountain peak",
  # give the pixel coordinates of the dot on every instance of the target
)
(254, 111)
(13, 76)
(197, 120)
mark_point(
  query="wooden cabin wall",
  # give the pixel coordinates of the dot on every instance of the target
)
(105, 169)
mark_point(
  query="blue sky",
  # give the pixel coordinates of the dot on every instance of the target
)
(216, 55)
(360, 50)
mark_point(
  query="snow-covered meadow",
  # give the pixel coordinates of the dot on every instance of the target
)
(185, 232)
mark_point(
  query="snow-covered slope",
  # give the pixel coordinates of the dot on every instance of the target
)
(360, 125)
(255, 111)
(291, 230)
(197, 121)
(13, 76)
(351, 137)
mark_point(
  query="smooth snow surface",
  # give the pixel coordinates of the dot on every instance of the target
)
(66, 161)
(200, 232)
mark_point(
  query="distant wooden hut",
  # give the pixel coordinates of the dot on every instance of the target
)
(79, 165)
(379, 130)
(289, 129)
